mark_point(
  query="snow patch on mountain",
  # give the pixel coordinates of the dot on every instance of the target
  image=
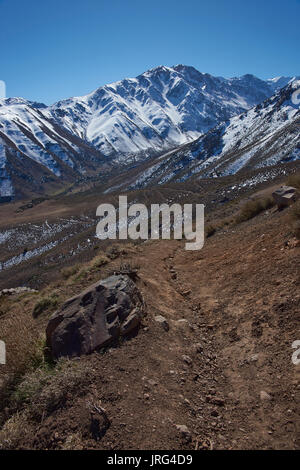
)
(263, 136)
(131, 120)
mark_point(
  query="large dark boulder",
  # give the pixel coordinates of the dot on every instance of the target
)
(284, 196)
(105, 311)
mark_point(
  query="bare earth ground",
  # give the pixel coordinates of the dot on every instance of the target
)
(241, 299)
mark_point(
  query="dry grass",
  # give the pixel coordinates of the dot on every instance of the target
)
(253, 208)
(45, 304)
(41, 392)
(295, 219)
(30, 382)
(80, 276)
(81, 272)
(210, 230)
(20, 333)
(10, 432)
(69, 271)
(212, 227)
(48, 387)
(98, 262)
(23, 318)
(115, 251)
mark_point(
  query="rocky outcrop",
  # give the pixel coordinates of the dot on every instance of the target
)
(91, 320)
(284, 196)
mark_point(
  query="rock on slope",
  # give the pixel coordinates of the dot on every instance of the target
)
(108, 309)
(42, 147)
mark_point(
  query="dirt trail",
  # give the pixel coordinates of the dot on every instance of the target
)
(241, 296)
(223, 369)
(252, 305)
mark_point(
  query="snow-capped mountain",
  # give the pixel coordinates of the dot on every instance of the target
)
(36, 152)
(131, 121)
(267, 134)
(278, 82)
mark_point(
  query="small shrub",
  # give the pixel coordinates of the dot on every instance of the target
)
(210, 230)
(30, 386)
(253, 208)
(69, 271)
(37, 359)
(80, 275)
(44, 304)
(128, 269)
(294, 180)
(98, 262)
(113, 252)
(44, 390)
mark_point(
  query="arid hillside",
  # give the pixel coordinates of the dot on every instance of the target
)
(215, 373)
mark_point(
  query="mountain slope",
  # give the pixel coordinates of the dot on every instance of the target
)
(116, 127)
(160, 109)
(263, 136)
(36, 153)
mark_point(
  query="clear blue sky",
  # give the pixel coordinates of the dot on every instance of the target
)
(53, 49)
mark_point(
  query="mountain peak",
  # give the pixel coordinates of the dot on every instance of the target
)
(185, 68)
(278, 82)
(159, 68)
(125, 122)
